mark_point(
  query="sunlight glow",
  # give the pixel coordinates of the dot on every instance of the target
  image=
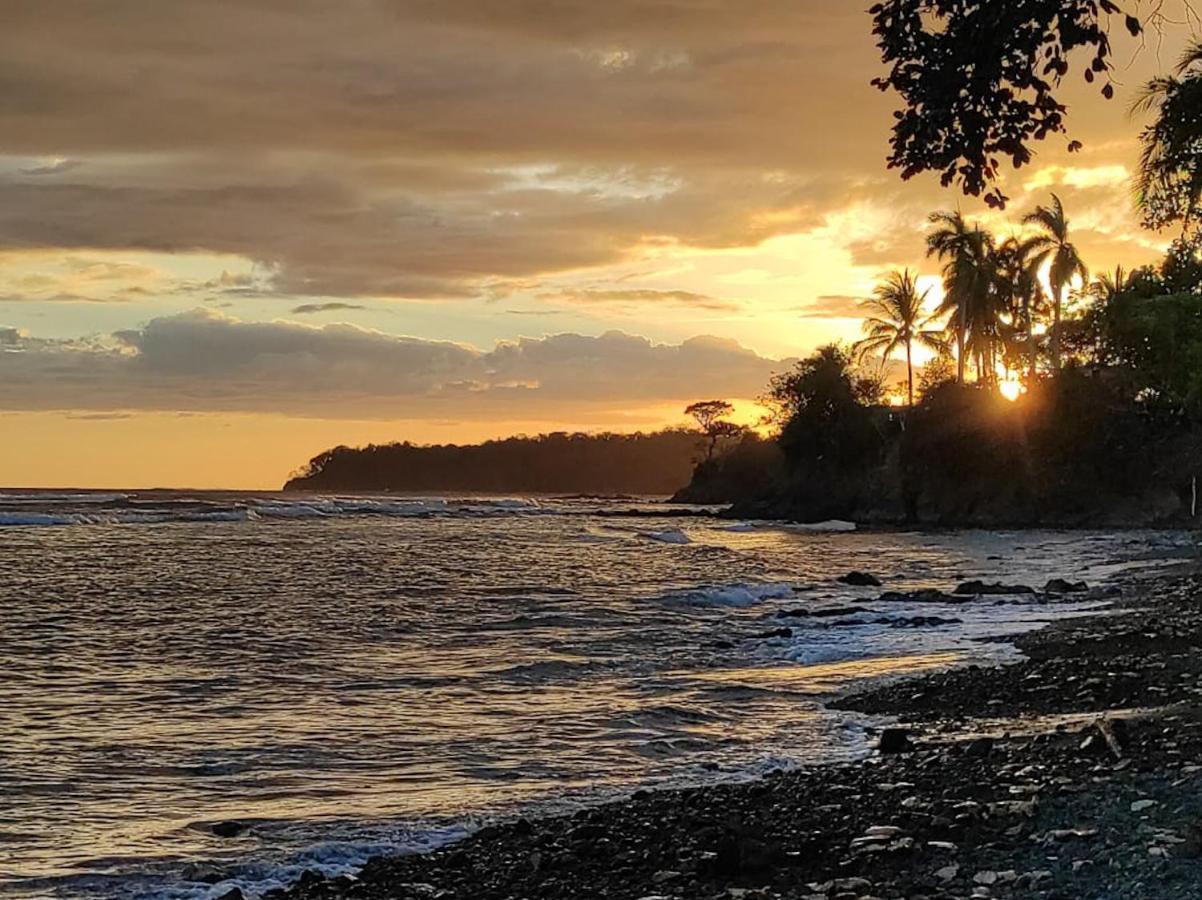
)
(1011, 389)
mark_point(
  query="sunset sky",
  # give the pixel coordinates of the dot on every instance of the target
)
(235, 233)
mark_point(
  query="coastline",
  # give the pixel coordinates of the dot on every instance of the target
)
(996, 798)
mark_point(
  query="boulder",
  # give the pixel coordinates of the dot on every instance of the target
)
(1061, 586)
(895, 740)
(929, 595)
(859, 579)
(981, 589)
(980, 747)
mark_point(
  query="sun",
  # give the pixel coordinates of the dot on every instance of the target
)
(1011, 389)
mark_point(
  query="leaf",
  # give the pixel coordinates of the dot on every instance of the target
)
(1134, 26)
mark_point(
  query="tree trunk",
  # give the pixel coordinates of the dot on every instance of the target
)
(910, 373)
(1056, 328)
(961, 340)
(1031, 347)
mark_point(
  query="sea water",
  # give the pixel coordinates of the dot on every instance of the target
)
(348, 676)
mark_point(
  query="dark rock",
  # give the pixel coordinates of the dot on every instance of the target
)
(925, 596)
(310, 877)
(820, 613)
(981, 747)
(229, 828)
(775, 633)
(895, 740)
(523, 827)
(859, 579)
(981, 589)
(1060, 586)
(232, 894)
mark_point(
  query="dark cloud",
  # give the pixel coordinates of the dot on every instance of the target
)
(205, 361)
(423, 149)
(333, 306)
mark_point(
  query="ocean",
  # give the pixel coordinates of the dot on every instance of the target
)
(338, 677)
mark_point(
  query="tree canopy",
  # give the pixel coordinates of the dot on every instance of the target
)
(980, 80)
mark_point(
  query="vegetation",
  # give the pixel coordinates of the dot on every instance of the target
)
(711, 419)
(896, 320)
(1052, 249)
(1102, 422)
(1170, 177)
(980, 79)
(557, 463)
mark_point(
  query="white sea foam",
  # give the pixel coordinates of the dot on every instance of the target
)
(833, 525)
(734, 595)
(671, 536)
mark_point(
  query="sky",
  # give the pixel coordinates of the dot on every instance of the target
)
(236, 232)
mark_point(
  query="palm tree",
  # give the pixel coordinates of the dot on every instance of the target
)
(1052, 245)
(1107, 287)
(1018, 287)
(1169, 184)
(896, 320)
(967, 253)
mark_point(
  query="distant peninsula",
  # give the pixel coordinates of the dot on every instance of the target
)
(659, 463)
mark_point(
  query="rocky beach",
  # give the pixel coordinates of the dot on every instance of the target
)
(1073, 773)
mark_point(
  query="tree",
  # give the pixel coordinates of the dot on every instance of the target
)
(936, 373)
(967, 253)
(1052, 247)
(1018, 287)
(1170, 171)
(980, 79)
(711, 419)
(896, 320)
(833, 431)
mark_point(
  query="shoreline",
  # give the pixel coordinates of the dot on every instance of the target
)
(1107, 804)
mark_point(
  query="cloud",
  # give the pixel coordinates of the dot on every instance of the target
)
(430, 149)
(838, 306)
(421, 150)
(204, 361)
(54, 167)
(332, 306)
(647, 297)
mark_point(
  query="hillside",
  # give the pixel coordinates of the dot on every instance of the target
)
(658, 463)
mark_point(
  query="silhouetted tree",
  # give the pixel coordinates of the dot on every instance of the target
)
(711, 419)
(896, 319)
(1170, 171)
(1053, 248)
(980, 79)
(1018, 286)
(968, 280)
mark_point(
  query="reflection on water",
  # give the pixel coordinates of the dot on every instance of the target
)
(346, 682)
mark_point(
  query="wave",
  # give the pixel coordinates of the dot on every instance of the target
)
(53, 509)
(738, 595)
(837, 526)
(671, 536)
(202, 880)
